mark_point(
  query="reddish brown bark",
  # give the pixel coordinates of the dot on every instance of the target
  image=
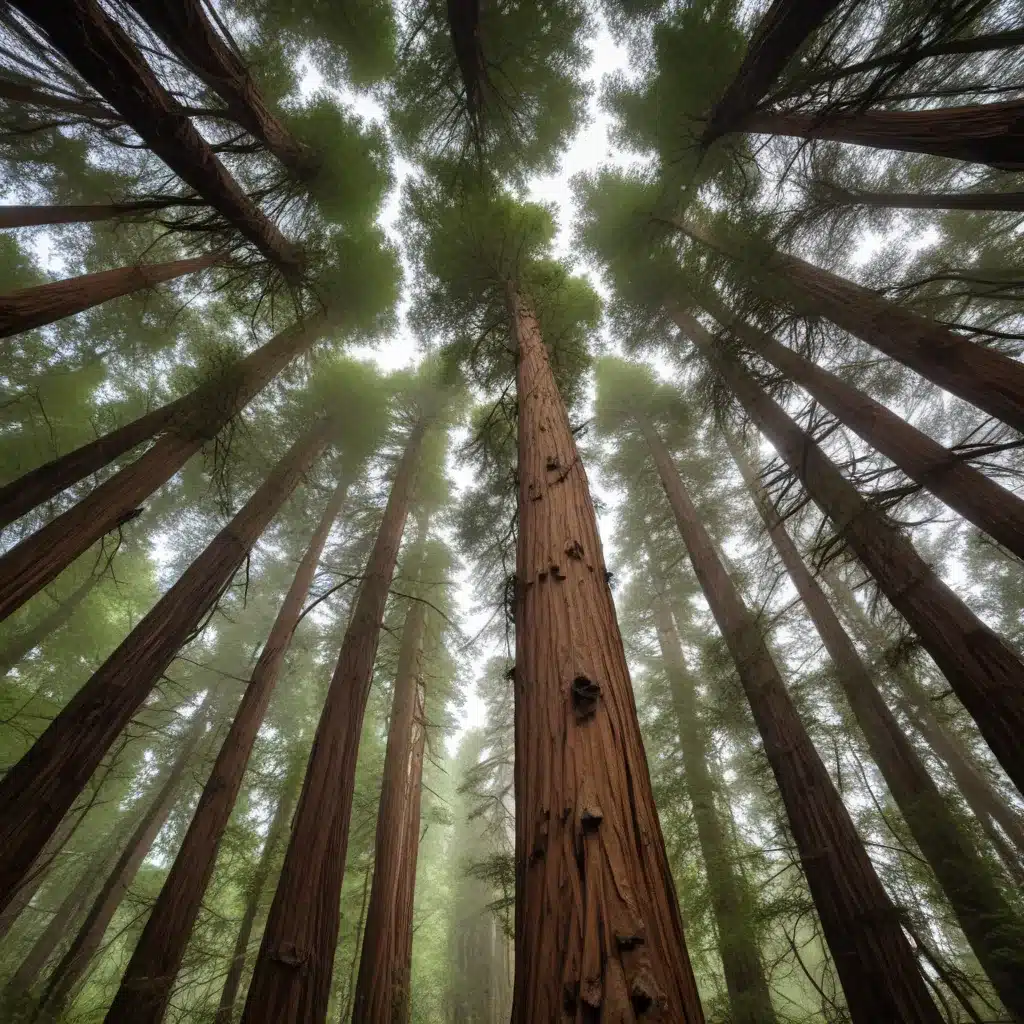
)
(292, 979)
(188, 33)
(990, 924)
(276, 834)
(985, 133)
(997, 201)
(149, 979)
(376, 986)
(782, 30)
(44, 304)
(982, 670)
(978, 499)
(985, 378)
(35, 216)
(875, 963)
(598, 932)
(749, 999)
(87, 940)
(37, 792)
(41, 557)
(107, 58)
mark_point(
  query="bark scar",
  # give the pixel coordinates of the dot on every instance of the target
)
(585, 695)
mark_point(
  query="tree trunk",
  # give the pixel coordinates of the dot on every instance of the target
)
(780, 33)
(41, 557)
(598, 931)
(345, 1015)
(149, 979)
(992, 927)
(292, 978)
(37, 792)
(29, 639)
(110, 62)
(44, 304)
(18, 92)
(875, 963)
(982, 670)
(985, 133)
(981, 501)
(35, 216)
(275, 836)
(985, 378)
(376, 987)
(983, 201)
(188, 33)
(89, 936)
(750, 1001)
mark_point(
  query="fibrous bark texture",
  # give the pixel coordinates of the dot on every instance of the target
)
(46, 303)
(107, 58)
(781, 32)
(986, 133)
(750, 1001)
(149, 979)
(977, 498)
(41, 557)
(979, 375)
(379, 993)
(35, 216)
(990, 923)
(37, 792)
(873, 958)
(292, 979)
(982, 670)
(598, 931)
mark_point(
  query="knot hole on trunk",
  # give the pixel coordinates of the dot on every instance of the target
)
(585, 695)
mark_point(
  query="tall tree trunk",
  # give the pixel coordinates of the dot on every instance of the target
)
(992, 927)
(292, 978)
(89, 936)
(984, 201)
(193, 420)
(276, 834)
(598, 931)
(188, 33)
(345, 1014)
(37, 792)
(19, 92)
(107, 58)
(982, 670)
(780, 33)
(978, 499)
(985, 133)
(376, 987)
(979, 375)
(149, 979)
(30, 638)
(749, 998)
(875, 963)
(44, 304)
(35, 216)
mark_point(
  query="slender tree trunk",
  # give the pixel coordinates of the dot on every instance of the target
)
(875, 963)
(47, 303)
(981, 501)
(149, 979)
(982, 670)
(345, 1015)
(598, 932)
(292, 979)
(984, 201)
(35, 216)
(29, 639)
(41, 557)
(749, 998)
(992, 927)
(979, 375)
(37, 792)
(782, 30)
(19, 92)
(376, 987)
(275, 836)
(188, 33)
(985, 133)
(89, 936)
(107, 58)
